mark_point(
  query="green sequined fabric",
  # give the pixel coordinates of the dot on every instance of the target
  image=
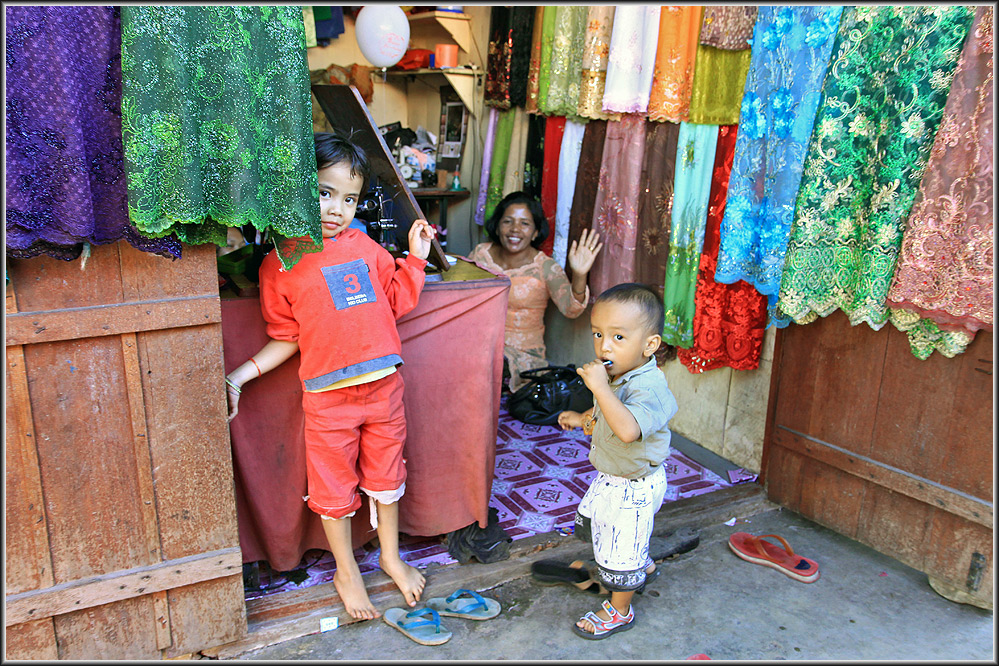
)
(882, 102)
(217, 123)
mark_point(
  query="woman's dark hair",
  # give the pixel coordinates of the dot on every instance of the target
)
(335, 148)
(651, 303)
(537, 212)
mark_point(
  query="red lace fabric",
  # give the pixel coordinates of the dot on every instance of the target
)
(729, 319)
(945, 269)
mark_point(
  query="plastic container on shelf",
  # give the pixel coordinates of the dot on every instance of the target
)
(457, 9)
(446, 55)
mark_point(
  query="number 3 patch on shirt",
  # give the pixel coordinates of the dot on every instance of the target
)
(349, 284)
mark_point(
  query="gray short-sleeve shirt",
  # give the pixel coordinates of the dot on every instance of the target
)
(646, 394)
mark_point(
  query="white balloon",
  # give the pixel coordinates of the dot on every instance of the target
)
(382, 32)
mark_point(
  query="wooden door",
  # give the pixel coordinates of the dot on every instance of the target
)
(892, 451)
(120, 518)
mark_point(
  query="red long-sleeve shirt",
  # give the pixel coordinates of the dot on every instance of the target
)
(341, 306)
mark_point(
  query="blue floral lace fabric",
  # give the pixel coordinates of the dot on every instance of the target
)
(791, 48)
(695, 161)
(882, 102)
(217, 124)
(64, 175)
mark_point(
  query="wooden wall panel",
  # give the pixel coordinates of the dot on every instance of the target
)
(31, 640)
(828, 360)
(88, 466)
(895, 525)
(961, 552)
(118, 465)
(830, 497)
(189, 438)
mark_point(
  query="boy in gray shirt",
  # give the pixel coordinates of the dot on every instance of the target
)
(631, 439)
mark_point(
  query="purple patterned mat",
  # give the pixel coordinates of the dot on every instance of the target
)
(541, 474)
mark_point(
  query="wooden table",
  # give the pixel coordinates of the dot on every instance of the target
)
(443, 197)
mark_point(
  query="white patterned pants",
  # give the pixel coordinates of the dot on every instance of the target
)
(617, 514)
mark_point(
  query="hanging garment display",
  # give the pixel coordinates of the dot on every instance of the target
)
(534, 162)
(791, 48)
(655, 203)
(945, 270)
(548, 20)
(568, 162)
(554, 128)
(501, 153)
(217, 123)
(866, 157)
(695, 158)
(497, 89)
(615, 209)
(676, 51)
(632, 58)
(596, 48)
(513, 180)
(729, 319)
(587, 180)
(64, 175)
(729, 27)
(719, 80)
(534, 69)
(487, 156)
(520, 53)
(567, 61)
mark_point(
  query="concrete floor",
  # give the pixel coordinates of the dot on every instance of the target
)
(865, 606)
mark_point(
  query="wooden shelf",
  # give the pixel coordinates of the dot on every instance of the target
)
(463, 80)
(458, 26)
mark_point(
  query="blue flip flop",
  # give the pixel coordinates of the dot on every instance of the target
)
(467, 604)
(424, 632)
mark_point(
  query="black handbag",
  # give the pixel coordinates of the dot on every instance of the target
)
(549, 391)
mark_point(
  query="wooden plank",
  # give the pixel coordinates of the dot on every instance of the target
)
(221, 599)
(28, 562)
(890, 477)
(121, 630)
(960, 553)
(31, 640)
(123, 584)
(895, 524)
(43, 283)
(112, 319)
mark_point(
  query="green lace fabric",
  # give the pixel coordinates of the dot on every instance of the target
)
(925, 336)
(548, 21)
(217, 124)
(881, 104)
(501, 155)
(565, 71)
(719, 81)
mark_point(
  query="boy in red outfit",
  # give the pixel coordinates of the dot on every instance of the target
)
(339, 307)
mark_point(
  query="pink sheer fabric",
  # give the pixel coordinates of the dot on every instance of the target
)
(632, 58)
(945, 269)
(615, 210)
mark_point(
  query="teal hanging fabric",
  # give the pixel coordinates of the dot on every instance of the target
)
(217, 124)
(695, 161)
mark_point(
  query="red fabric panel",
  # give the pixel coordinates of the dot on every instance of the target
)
(452, 344)
(554, 128)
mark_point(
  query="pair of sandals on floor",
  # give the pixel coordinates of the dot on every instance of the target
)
(423, 625)
(579, 575)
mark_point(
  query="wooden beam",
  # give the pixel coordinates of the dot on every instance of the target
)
(124, 584)
(892, 478)
(94, 321)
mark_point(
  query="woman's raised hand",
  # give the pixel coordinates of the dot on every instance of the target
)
(584, 252)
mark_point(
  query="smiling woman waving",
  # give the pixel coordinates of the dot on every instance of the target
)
(516, 230)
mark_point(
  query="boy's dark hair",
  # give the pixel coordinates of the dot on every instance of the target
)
(335, 148)
(537, 212)
(651, 304)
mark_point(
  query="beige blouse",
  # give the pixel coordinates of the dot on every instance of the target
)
(531, 286)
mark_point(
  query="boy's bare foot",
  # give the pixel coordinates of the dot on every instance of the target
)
(409, 579)
(354, 596)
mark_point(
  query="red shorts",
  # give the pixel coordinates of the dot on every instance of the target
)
(354, 437)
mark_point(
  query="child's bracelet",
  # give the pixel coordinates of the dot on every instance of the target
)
(233, 386)
(259, 373)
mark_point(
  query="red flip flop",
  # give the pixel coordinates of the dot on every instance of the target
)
(754, 549)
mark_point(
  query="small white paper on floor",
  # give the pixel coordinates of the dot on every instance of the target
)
(731, 522)
(328, 623)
